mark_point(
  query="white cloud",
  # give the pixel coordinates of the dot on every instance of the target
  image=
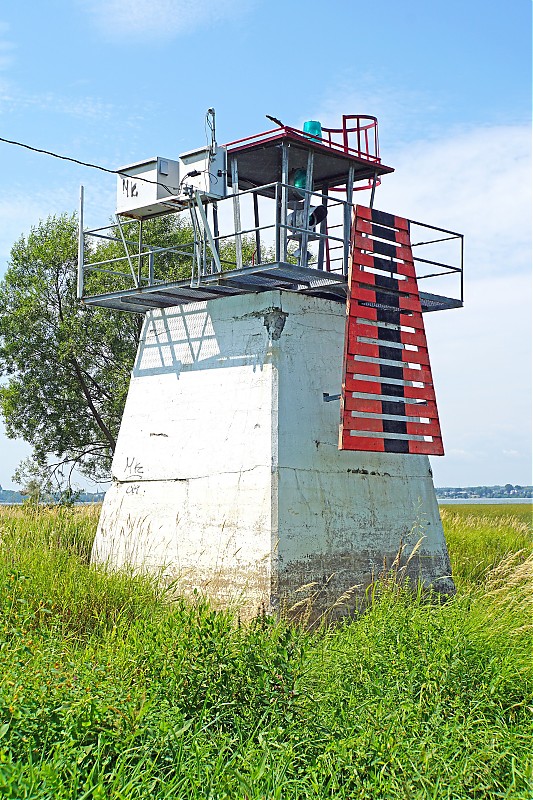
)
(91, 108)
(6, 47)
(20, 210)
(401, 114)
(481, 363)
(159, 19)
(476, 182)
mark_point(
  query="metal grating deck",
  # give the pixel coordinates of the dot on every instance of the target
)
(260, 278)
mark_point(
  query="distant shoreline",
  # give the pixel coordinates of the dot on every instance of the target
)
(484, 501)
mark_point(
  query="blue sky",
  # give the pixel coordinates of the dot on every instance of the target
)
(113, 82)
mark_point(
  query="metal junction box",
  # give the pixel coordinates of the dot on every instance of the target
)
(212, 180)
(142, 187)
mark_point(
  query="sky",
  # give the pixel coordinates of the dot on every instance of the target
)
(114, 82)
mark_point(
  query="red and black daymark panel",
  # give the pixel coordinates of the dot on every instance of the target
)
(388, 402)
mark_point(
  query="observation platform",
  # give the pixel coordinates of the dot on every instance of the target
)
(282, 220)
(260, 160)
(260, 278)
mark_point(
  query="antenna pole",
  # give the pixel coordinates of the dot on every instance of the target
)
(81, 253)
(210, 120)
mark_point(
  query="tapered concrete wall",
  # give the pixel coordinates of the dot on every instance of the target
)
(227, 474)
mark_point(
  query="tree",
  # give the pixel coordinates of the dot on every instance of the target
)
(67, 366)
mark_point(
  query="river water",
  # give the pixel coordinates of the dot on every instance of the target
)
(483, 501)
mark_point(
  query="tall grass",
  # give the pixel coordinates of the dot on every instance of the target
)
(109, 690)
(479, 537)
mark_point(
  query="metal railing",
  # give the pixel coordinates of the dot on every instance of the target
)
(247, 229)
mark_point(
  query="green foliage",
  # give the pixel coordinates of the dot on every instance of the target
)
(168, 231)
(111, 689)
(68, 365)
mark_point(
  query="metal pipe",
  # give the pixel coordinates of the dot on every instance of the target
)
(323, 231)
(257, 233)
(125, 258)
(437, 263)
(348, 219)
(373, 192)
(140, 258)
(81, 251)
(197, 257)
(307, 204)
(284, 198)
(435, 228)
(437, 274)
(127, 252)
(434, 241)
(277, 222)
(207, 231)
(236, 212)
(216, 231)
(462, 274)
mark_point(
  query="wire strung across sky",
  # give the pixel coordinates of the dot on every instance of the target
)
(169, 189)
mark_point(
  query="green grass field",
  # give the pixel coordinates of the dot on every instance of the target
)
(109, 690)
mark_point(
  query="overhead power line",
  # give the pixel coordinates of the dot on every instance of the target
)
(85, 163)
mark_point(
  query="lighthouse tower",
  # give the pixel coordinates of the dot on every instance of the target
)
(275, 440)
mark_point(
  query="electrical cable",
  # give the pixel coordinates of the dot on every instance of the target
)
(85, 163)
(170, 189)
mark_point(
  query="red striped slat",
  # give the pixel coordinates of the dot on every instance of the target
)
(372, 406)
(372, 332)
(423, 428)
(368, 213)
(368, 261)
(372, 368)
(364, 226)
(398, 306)
(371, 424)
(371, 350)
(363, 368)
(363, 404)
(362, 386)
(410, 303)
(434, 448)
(402, 252)
(362, 443)
(371, 280)
(410, 319)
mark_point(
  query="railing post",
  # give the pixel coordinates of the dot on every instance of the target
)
(236, 211)
(81, 249)
(277, 225)
(347, 228)
(284, 198)
(257, 231)
(307, 203)
(150, 267)
(140, 257)
(323, 230)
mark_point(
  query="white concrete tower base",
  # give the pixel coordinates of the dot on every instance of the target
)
(227, 476)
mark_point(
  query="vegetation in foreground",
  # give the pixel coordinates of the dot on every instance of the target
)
(110, 691)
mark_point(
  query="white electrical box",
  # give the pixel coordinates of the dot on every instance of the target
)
(211, 181)
(143, 187)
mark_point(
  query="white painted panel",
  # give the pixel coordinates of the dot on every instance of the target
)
(227, 471)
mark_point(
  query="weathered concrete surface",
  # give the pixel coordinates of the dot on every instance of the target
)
(227, 474)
